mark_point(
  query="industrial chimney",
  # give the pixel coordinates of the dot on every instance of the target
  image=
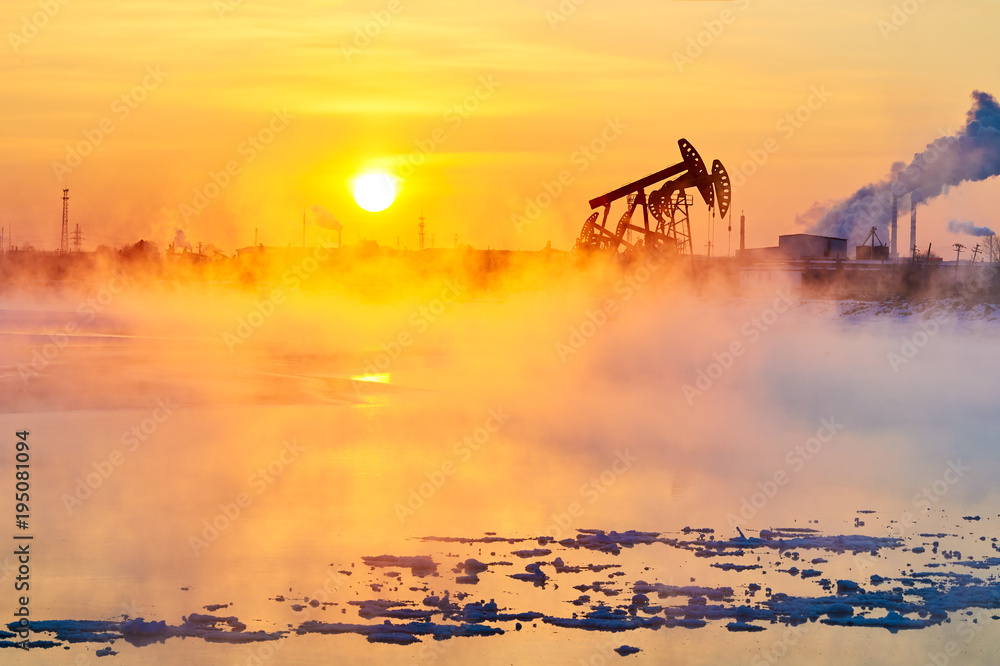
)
(913, 228)
(893, 230)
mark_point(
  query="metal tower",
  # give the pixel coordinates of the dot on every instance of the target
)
(77, 238)
(64, 241)
(420, 232)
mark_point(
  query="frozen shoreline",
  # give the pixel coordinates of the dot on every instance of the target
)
(754, 602)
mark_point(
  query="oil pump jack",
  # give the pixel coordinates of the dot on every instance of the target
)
(666, 225)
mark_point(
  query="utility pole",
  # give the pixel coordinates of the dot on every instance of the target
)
(743, 231)
(77, 238)
(958, 253)
(975, 251)
(712, 227)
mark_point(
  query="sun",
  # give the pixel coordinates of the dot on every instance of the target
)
(374, 191)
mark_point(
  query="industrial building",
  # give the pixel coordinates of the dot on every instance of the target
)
(798, 246)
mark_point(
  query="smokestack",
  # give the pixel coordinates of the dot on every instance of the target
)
(971, 154)
(743, 232)
(894, 230)
(913, 228)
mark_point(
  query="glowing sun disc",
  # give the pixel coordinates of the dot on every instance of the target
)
(374, 191)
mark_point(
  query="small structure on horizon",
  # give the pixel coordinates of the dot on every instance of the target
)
(798, 246)
(873, 252)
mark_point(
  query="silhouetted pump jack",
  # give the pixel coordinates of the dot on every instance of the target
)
(666, 226)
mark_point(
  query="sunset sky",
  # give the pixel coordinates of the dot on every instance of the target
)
(473, 107)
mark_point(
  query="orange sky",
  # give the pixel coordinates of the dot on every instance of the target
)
(473, 106)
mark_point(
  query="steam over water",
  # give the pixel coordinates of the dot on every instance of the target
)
(196, 446)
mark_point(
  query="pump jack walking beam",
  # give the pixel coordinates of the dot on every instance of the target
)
(668, 207)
